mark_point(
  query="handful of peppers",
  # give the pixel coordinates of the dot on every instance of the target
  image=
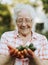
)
(31, 46)
(20, 52)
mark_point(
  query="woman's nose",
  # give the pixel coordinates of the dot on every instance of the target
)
(24, 23)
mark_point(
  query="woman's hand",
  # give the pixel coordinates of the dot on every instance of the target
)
(21, 54)
(12, 51)
(28, 53)
(33, 59)
(15, 52)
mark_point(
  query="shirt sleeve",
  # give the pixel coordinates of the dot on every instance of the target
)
(3, 45)
(43, 54)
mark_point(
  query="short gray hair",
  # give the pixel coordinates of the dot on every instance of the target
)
(30, 9)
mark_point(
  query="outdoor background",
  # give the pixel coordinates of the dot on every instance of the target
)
(41, 19)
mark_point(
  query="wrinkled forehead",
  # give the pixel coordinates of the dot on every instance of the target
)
(23, 14)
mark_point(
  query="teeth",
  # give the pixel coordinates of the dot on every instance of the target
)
(23, 28)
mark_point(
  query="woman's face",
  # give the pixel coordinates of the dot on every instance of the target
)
(24, 22)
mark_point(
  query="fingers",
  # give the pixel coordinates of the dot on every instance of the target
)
(22, 52)
(15, 52)
(19, 55)
(30, 52)
(10, 47)
(25, 53)
(11, 52)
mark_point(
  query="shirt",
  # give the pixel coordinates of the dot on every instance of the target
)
(12, 38)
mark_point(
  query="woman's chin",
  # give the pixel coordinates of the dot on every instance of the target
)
(25, 33)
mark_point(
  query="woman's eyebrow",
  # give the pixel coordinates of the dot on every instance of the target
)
(25, 17)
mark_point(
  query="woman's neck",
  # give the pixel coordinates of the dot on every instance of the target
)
(26, 37)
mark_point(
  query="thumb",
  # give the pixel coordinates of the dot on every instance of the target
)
(10, 47)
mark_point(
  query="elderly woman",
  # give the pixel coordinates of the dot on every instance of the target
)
(9, 54)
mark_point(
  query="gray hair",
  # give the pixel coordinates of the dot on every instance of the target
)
(19, 7)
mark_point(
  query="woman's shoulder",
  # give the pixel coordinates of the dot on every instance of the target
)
(39, 36)
(9, 33)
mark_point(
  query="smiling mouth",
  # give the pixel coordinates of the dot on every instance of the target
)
(24, 28)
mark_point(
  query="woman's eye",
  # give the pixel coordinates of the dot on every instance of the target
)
(20, 20)
(28, 20)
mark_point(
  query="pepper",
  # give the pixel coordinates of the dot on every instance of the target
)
(31, 46)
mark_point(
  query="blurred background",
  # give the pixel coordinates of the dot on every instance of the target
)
(41, 19)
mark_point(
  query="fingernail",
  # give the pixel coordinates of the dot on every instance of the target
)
(28, 49)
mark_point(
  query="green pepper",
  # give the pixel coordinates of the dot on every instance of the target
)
(26, 47)
(20, 48)
(31, 46)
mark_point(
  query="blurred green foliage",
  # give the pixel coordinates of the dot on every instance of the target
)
(39, 28)
(5, 19)
(45, 4)
(46, 34)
